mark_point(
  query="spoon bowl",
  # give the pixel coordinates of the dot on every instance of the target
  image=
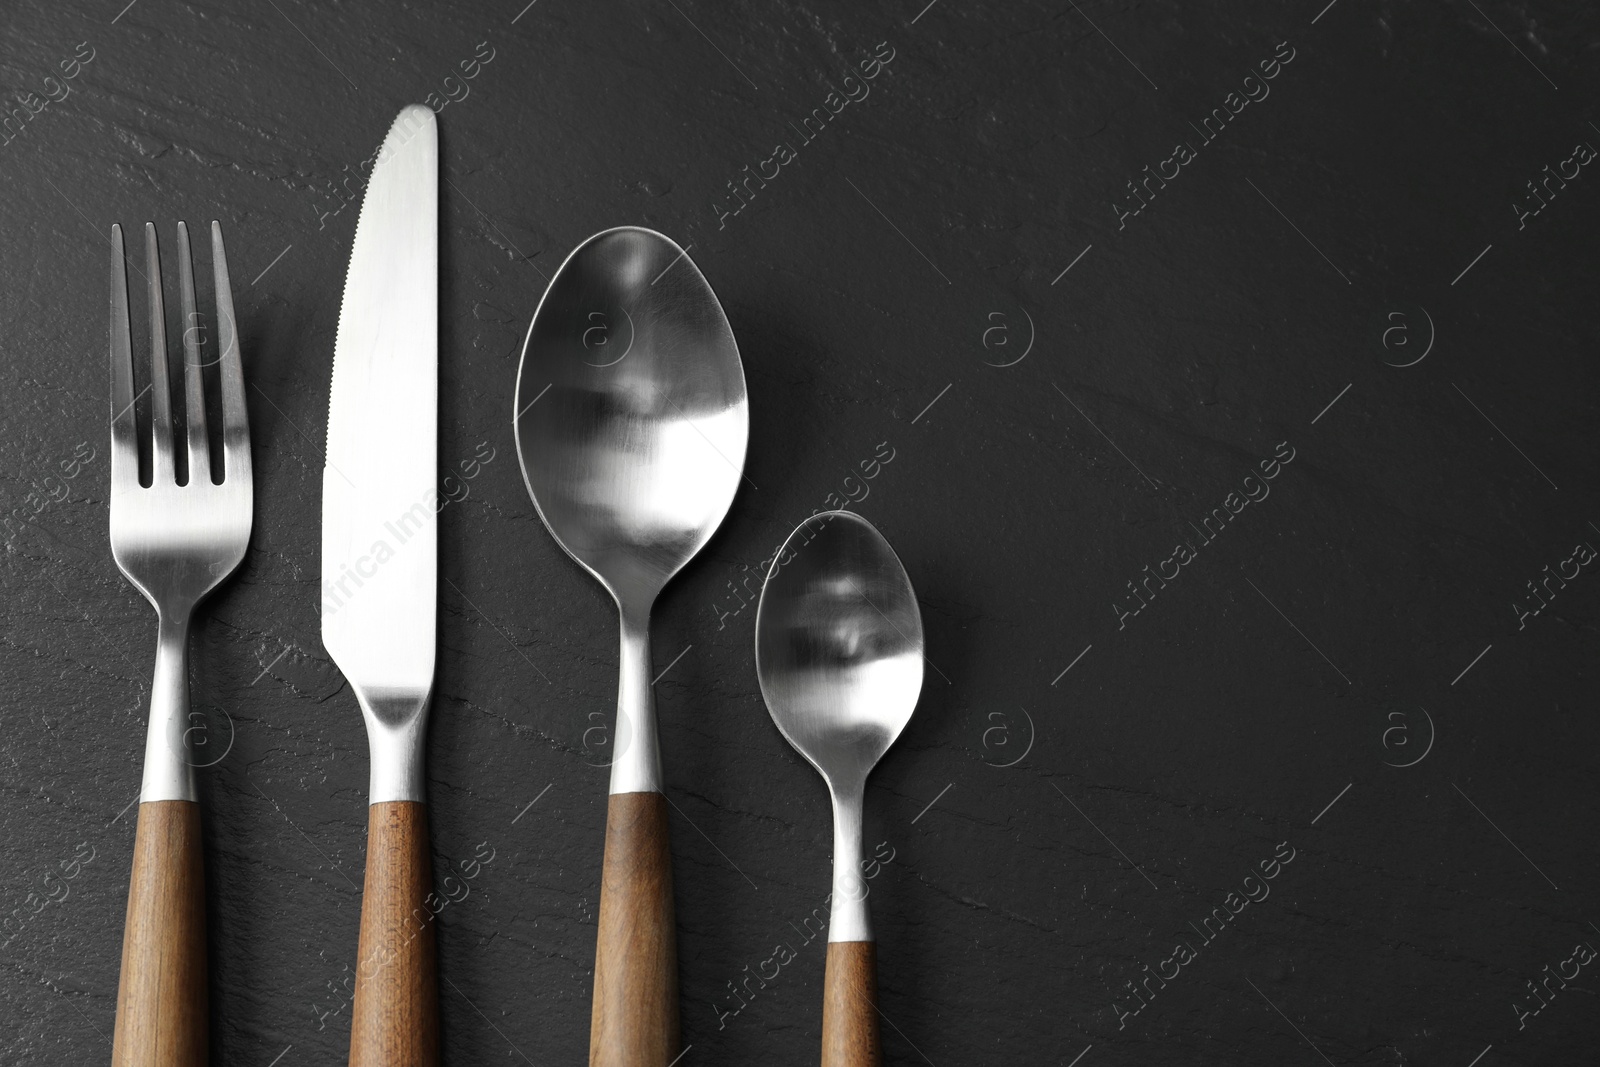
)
(631, 413)
(839, 645)
(631, 422)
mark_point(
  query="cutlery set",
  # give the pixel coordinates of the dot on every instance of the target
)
(631, 422)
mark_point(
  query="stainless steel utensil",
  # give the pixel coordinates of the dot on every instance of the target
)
(631, 423)
(175, 543)
(379, 571)
(839, 658)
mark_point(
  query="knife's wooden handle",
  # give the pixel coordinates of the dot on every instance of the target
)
(395, 1019)
(161, 997)
(850, 1006)
(635, 1018)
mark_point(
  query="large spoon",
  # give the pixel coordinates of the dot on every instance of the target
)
(839, 658)
(631, 423)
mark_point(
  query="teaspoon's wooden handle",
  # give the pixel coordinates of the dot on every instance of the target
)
(635, 1018)
(850, 1006)
(161, 997)
(395, 1018)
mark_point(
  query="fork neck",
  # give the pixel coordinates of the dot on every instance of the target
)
(168, 771)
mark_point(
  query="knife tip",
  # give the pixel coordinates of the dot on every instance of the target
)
(413, 114)
(413, 119)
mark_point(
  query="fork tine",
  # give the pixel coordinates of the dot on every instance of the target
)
(124, 436)
(194, 394)
(235, 420)
(161, 468)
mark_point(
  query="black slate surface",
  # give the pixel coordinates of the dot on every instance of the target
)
(1349, 271)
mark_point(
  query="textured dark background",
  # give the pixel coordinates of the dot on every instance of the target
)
(905, 254)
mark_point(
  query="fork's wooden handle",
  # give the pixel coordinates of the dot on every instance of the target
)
(850, 1006)
(395, 1019)
(634, 1022)
(161, 997)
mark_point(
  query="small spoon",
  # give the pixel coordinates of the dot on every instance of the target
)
(631, 423)
(839, 659)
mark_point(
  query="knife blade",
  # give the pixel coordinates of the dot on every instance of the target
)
(380, 570)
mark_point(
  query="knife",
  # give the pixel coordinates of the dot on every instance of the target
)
(379, 574)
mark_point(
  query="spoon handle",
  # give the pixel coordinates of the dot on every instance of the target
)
(850, 1006)
(635, 1016)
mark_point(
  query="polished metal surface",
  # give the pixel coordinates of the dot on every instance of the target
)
(631, 422)
(379, 495)
(176, 542)
(839, 658)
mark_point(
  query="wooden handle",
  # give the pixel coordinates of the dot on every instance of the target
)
(635, 1018)
(850, 1006)
(161, 998)
(395, 1019)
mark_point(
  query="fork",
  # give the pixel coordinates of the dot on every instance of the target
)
(175, 543)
